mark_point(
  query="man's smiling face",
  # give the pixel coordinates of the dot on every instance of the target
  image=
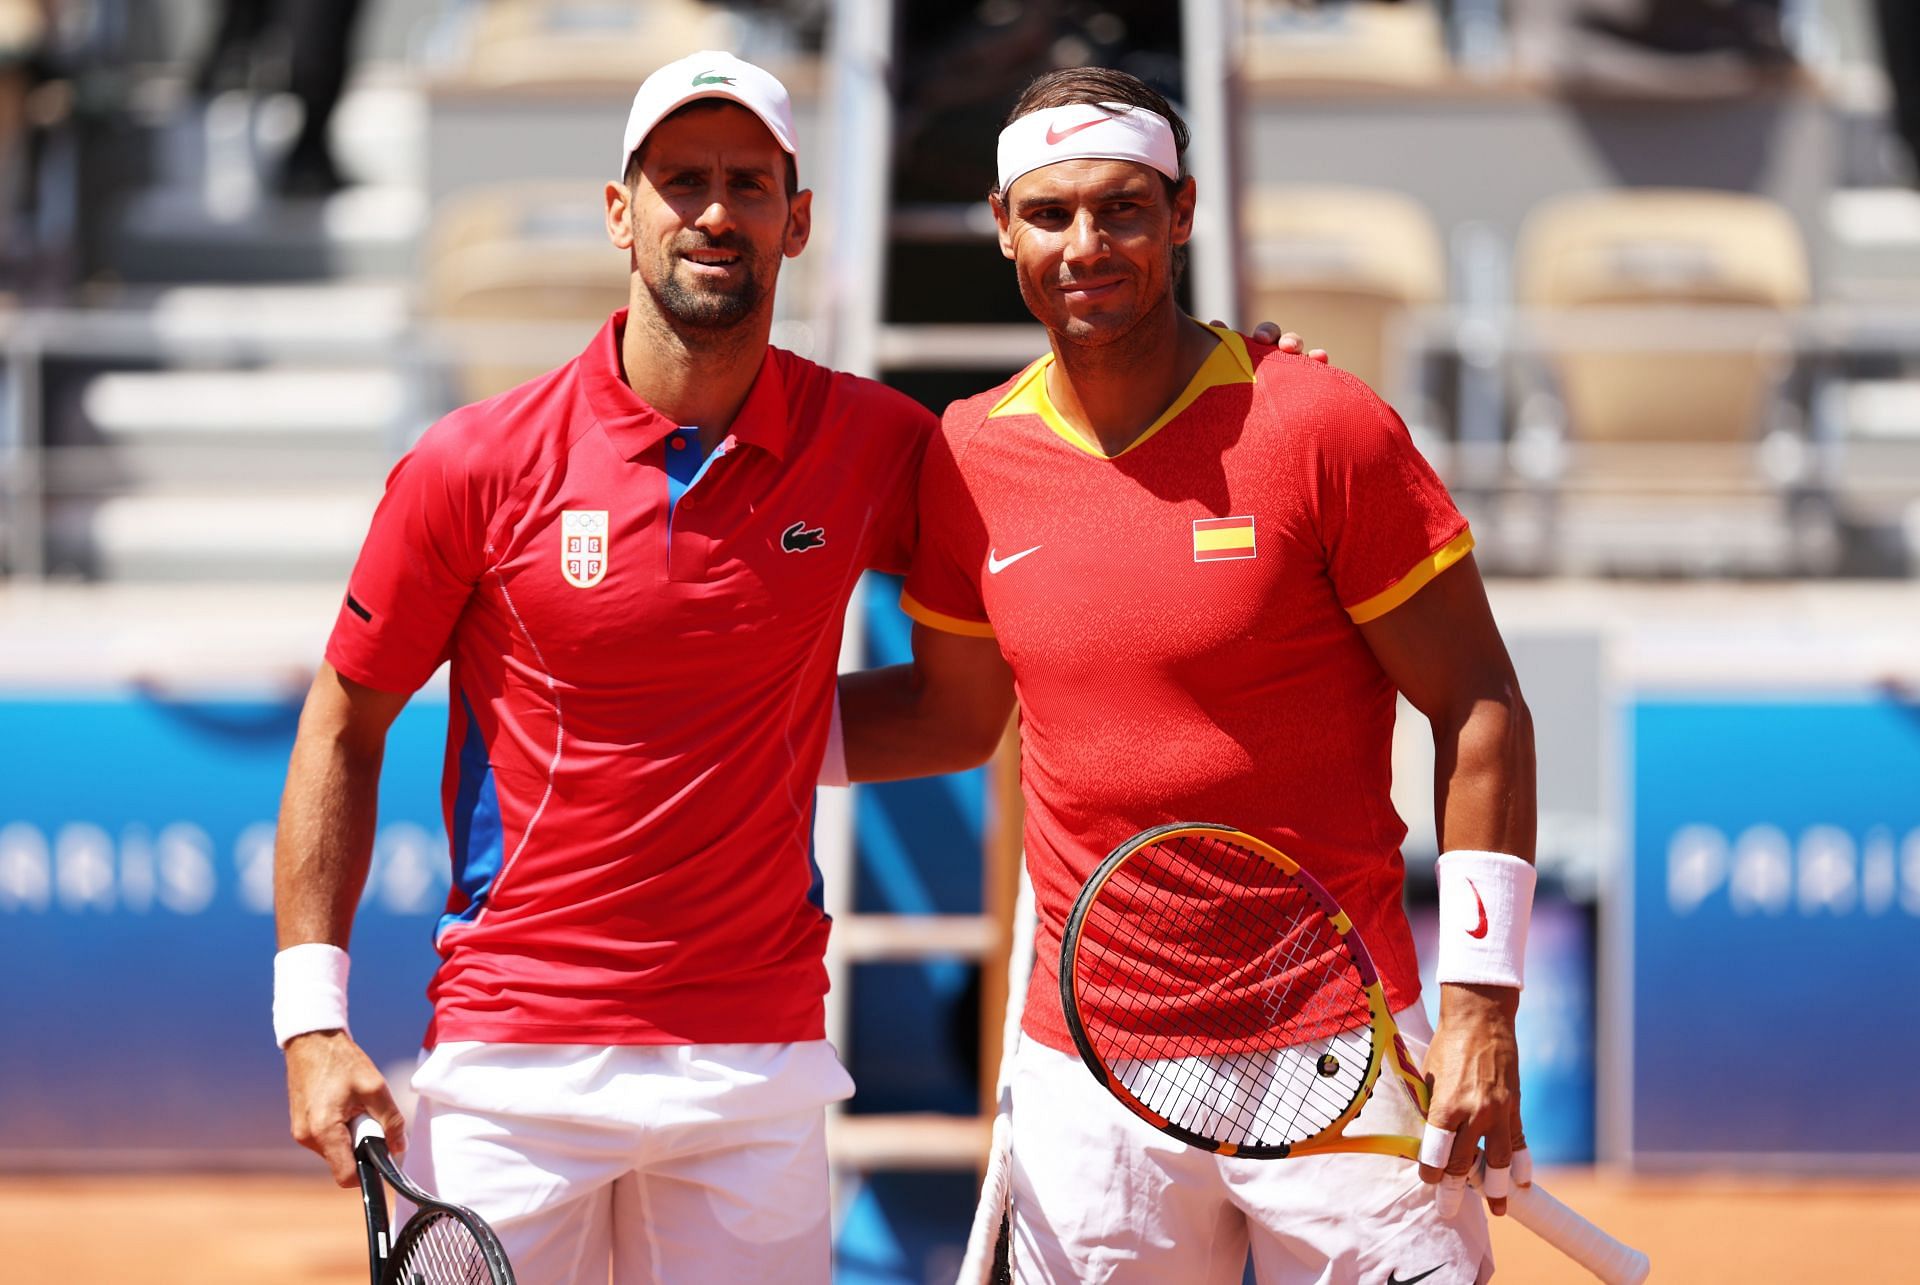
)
(711, 215)
(1092, 242)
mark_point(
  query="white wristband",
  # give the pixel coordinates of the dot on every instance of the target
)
(309, 990)
(833, 766)
(1486, 902)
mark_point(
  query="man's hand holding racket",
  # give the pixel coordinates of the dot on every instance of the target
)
(331, 1080)
(1473, 1068)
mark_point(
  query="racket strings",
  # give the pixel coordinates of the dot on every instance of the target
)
(439, 1249)
(1216, 989)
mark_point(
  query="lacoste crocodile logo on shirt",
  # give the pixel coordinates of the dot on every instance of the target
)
(800, 537)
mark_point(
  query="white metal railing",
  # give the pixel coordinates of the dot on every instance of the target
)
(1211, 41)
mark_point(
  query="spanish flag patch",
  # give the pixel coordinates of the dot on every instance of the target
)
(1216, 539)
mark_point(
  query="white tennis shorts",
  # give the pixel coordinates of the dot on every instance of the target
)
(643, 1164)
(1099, 1195)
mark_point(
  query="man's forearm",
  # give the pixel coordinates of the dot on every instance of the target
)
(895, 727)
(1484, 795)
(324, 841)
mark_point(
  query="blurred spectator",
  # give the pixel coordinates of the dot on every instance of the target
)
(319, 42)
(322, 32)
(1661, 48)
(1749, 27)
(23, 33)
(962, 67)
(238, 34)
(1900, 50)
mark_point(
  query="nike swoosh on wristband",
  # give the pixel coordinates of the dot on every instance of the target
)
(996, 565)
(1481, 931)
(1057, 136)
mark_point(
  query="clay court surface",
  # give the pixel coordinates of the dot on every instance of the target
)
(253, 1230)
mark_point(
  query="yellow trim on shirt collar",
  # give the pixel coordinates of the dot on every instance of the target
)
(1229, 363)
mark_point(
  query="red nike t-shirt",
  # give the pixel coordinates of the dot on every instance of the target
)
(1182, 622)
(640, 691)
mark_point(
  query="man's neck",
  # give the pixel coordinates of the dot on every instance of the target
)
(1114, 392)
(693, 376)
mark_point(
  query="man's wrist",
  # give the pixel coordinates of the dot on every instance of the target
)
(309, 990)
(1477, 1001)
(1486, 904)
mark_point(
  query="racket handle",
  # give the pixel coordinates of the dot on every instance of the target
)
(364, 1127)
(976, 1268)
(1541, 1213)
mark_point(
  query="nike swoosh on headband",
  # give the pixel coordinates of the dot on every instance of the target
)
(1057, 136)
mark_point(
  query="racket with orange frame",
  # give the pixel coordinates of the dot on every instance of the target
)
(1216, 989)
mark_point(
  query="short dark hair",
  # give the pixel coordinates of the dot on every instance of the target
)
(638, 158)
(1070, 85)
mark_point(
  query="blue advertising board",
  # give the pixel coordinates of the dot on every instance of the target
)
(136, 923)
(1775, 932)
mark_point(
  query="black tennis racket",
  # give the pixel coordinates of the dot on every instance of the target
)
(441, 1244)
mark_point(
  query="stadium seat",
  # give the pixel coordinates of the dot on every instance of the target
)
(1361, 43)
(533, 256)
(531, 42)
(1669, 366)
(1671, 252)
(1340, 265)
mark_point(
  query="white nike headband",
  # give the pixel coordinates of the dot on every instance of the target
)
(1087, 132)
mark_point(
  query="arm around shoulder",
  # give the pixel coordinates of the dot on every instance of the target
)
(944, 712)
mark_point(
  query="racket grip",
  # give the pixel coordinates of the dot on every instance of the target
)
(976, 1268)
(1541, 1213)
(363, 1127)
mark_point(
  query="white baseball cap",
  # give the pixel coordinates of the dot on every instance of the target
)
(709, 74)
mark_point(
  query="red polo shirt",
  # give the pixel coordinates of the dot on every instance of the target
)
(1182, 620)
(640, 692)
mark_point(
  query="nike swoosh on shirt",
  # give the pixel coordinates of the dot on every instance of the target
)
(1481, 931)
(1395, 1278)
(996, 565)
(1057, 136)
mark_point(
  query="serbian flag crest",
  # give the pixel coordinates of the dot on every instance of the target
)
(1218, 539)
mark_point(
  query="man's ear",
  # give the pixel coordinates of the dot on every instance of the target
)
(1002, 220)
(620, 216)
(1184, 198)
(799, 222)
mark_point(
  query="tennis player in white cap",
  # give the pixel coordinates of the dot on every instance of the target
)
(638, 564)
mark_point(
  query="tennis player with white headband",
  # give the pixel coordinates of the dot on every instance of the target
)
(1209, 569)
